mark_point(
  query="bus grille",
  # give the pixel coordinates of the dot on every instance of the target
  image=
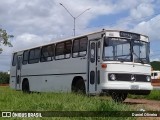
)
(129, 77)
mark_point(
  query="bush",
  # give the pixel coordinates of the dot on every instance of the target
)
(4, 78)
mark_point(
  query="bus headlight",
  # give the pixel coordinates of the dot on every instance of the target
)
(112, 76)
(148, 78)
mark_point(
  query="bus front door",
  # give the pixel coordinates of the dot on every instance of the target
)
(18, 72)
(93, 66)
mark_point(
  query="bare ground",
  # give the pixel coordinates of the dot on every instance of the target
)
(148, 105)
(143, 104)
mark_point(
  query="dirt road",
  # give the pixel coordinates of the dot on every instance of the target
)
(143, 104)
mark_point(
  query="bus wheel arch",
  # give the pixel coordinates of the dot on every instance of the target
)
(78, 85)
(25, 86)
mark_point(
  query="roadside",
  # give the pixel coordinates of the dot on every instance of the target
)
(4, 84)
(143, 104)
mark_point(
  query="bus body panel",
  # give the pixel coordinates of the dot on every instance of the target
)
(128, 68)
(54, 75)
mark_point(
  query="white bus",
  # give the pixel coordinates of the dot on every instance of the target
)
(155, 74)
(110, 61)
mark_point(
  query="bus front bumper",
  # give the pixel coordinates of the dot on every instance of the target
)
(127, 86)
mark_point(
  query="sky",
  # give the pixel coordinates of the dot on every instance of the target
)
(37, 22)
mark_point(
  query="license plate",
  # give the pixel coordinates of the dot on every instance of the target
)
(134, 87)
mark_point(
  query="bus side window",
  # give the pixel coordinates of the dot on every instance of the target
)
(155, 74)
(14, 62)
(68, 46)
(83, 47)
(80, 47)
(75, 48)
(47, 53)
(99, 50)
(59, 51)
(25, 57)
(63, 50)
(34, 55)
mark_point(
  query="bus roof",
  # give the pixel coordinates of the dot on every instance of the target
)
(70, 38)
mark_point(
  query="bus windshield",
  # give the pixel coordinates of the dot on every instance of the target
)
(121, 49)
(116, 49)
(140, 51)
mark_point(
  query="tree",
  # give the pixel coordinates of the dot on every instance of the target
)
(4, 78)
(4, 37)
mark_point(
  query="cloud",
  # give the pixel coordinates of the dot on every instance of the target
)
(150, 28)
(35, 22)
(142, 10)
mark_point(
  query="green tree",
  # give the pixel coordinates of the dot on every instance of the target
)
(155, 65)
(4, 37)
(4, 78)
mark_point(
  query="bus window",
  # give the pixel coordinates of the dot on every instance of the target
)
(75, 48)
(155, 74)
(83, 47)
(59, 51)
(25, 57)
(63, 50)
(99, 50)
(34, 56)
(80, 47)
(14, 59)
(68, 46)
(47, 53)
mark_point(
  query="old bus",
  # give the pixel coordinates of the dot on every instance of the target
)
(110, 61)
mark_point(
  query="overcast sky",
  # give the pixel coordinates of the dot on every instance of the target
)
(35, 22)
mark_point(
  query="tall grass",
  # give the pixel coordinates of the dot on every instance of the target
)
(11, 100)
(154, 95)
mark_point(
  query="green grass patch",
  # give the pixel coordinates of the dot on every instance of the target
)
(11, 100)
(154, 95)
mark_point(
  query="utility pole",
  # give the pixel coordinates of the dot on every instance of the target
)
(74, 18)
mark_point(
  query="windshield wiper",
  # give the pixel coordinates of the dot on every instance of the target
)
(141, 61)
(123, 59)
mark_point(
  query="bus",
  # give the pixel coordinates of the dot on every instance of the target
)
(155, 74)
(106, 61)
(155, 79)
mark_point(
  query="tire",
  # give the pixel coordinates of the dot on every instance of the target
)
(25, 87)
(79, 87)
(118, 97)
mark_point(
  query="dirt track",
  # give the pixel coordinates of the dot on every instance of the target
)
(148, 105)
(143, 104)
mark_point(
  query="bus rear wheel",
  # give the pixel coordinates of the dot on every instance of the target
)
(118, 97)
(79, 87)
(25, 87)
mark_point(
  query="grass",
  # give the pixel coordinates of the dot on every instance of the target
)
(11, 100)
(154, 95)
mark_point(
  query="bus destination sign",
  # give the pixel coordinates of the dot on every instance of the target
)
(129, 35)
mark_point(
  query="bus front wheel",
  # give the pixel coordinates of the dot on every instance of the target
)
(118, 97)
